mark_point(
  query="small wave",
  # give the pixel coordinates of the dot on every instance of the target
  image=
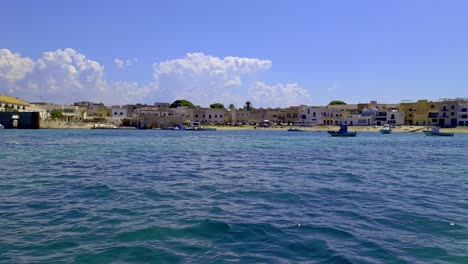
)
(153, 233)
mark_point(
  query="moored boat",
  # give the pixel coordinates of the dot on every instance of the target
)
(435, 131)
(195, 126)
(1, 126)
(386, 129)
(343, 132)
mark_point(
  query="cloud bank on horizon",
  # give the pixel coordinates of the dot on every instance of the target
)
(67, 76)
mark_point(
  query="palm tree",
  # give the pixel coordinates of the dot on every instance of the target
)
(231, 107)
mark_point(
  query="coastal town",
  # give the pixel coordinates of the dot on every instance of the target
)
(445, 113)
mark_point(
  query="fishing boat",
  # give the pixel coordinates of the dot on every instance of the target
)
(435, 131)
(343, 132)
(386, 129)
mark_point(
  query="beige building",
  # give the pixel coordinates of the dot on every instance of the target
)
(449, 112)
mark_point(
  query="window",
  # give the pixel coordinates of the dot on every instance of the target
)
(196, 115)
(121, 113)
(216, 116)
(464, 110)
(453, 107)
(220, 116)
(432, 106)
(313, 114)
(115, 113)
(209, 117)
(452, 114)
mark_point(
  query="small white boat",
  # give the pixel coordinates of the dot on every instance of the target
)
(386, 129)
(1, 126)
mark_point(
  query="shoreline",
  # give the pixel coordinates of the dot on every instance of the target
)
(399, 129)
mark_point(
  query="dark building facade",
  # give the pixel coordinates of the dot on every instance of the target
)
(22, 120)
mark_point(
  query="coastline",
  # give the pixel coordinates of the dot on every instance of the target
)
(398, 129)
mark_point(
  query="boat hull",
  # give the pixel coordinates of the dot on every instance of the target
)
(439, 134)
(347, 134)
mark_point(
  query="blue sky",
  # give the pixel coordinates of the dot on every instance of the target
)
(293, 52)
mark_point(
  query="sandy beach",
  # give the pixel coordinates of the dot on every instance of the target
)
(67, 125)
(351, 128)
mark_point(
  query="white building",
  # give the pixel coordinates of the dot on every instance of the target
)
(313, 115)
(118, 112)
(357, 120)
(152, 110)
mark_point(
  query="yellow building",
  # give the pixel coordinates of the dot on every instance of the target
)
(292, 115)
(420, 113)
(105, 112)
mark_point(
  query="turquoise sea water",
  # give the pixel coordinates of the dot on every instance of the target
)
(90, 196)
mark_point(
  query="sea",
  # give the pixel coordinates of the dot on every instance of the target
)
(157, 196)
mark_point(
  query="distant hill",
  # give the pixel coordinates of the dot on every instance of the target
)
(6, 99)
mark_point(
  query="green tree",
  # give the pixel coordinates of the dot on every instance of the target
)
(337, 102)
(231, 107)
(182, 102)
(248, 106)
(217, 105)
(56, 114)
(9, 108)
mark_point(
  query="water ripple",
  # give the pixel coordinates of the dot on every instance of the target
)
(231, 196)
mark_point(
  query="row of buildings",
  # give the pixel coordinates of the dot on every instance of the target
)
(444, 113)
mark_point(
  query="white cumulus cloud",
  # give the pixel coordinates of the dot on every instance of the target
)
(13, 67)
(63, 76)
(279, 95)
(67, 76)
(122, 64)
(205, 79)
